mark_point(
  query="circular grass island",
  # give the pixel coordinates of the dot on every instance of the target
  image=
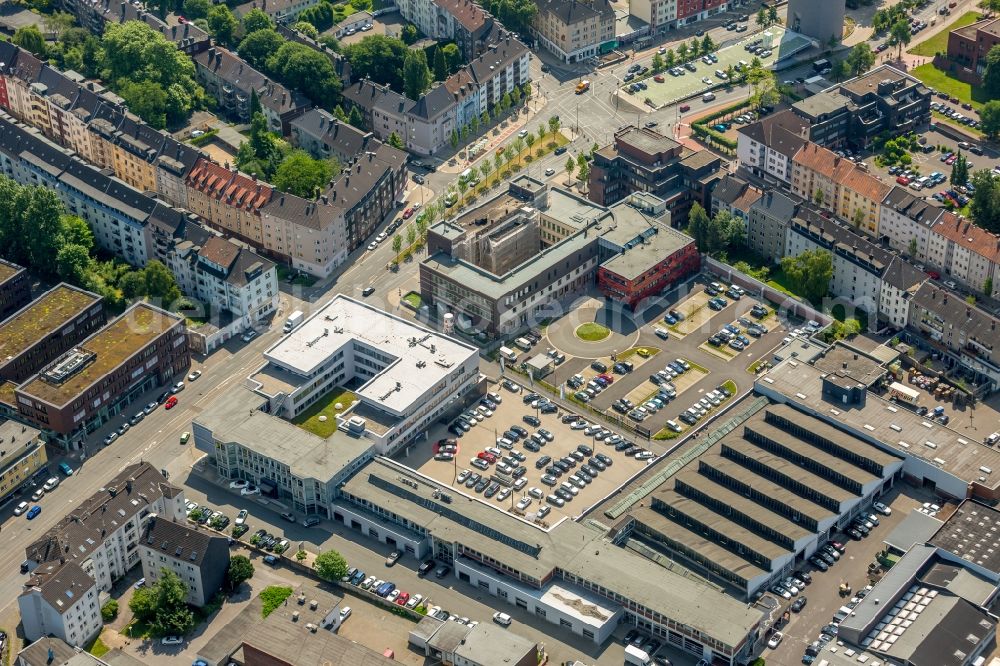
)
(592, 332)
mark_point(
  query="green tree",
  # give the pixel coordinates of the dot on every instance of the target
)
(302, 68)
(761, 18)
(255, 20)
(109, 611)
(319, 16)
(452, 56)
(416, 75)
(530, 139)
(302, 175)
(658, 63)
(76, 231)
(991, 77)
(409, 34)
(132, 285)
(860, 59)
(818, 197)
(763, 87)
(397, 243)
(263, 153)
(160, 283)
(463, 187)
(395, 141)
(42, 221)
(307, 29)
(553, 124)
(991, 6)
(454, 139)
(988, 287)
(516, 15)
(912, 248)
(989, 115)
(440, 66)
(146, 99)
(135, 52)
(378, 58)
(695, 48)
(670, 60)
(498, 161)
(518, 148)
(240, 570)
(713, 235)
(411, 235)
(196, 9)
(583, 171)
(73, 263)
(570, 167)
(809, 273)
(899, 35)
(163, 606)
(355, 119)
(222, 24)
(985, 206)
(959, 171)
(258, 45)
(30, 38)
(682, 52)
(772, 15)
(486, 168)
(707, 45)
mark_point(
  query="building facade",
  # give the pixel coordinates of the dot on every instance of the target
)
(968, 47)
(60, 600)
(23, 455)
(575, 31)
(15, 288)
(85, 387)
(821, 21)
(200, 559)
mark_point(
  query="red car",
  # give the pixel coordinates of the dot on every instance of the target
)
(685, 107)
(488, 457)
(902, 180)
(407, 213)
(171, 402)
(608, 378)
(934, 275)
(402, 598)
(951, 160)
(658, 78)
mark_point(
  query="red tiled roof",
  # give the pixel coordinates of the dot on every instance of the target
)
(231, 187)
(220, 251)
(865, 184)
(824, 162)
(966, 234)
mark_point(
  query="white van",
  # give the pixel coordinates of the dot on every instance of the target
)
(465, 175)
(842, 614)
(508, 354)
(523, 343)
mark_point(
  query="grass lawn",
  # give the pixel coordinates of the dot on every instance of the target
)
(592, 332)
(730, 386)
(325, 406)
(940, 81)
(939, 42)
(273, 596)
(666, 433)
(97, 647)
(779, 281)
(413, 298)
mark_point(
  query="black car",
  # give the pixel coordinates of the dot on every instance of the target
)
(519, 430)
(562, 465)
(425, 567)
(854, 534)
(568, 460)
(799, 604)
(531, 446)
(598, 366)
(597, 464)
(542, 462)
(804, 577)
(622, 445)
(533, 421)
(589, 471)
(519, 471)
(548, 408)
(604, 459)
(819, 564)
(531, 397)
(568, 418)
(563, 494)
(442, 572)
(826, 557)
(552, 470)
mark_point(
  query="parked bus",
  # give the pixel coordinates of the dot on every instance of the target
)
(582, 87)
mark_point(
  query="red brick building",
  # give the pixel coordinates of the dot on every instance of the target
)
(695, 10)
(967, 49)
(646, 268)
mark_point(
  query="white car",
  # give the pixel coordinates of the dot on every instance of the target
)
(502, 619)
(392, 595)
(372, 246)
(249, 335)
(503, 494)
(250, 490)
(520, 483)
(775, 640)
(550, 172)
(238, 484)
(189, 507)
(524, 503)
(171, 640)
(536, 493)
(414, 601)
(345, 613)
(241, 517)
(882, 508)
(194, 375)
(20, 508)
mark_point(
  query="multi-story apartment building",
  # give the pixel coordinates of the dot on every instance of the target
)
(965, 334)
(968, 47)
(734, 196)
(15, 288)
(95, 14)
(766, 147)
(102, 534)
(767, 224)
(425, 126)
(462, 21)
(575, 31)
(44, 329)
(881, 101)
(838, 185)
(644, 160)
(230, 201)
(22, 454)
(689, 11)
(233, 83)
(661, 15)
(95, 380)
(281, 11)
(966, 252)
(365, 194)
(319, 133)
(907, 221)
(200, 559)
(60, 600)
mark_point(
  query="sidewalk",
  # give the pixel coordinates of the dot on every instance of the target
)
(514, 124)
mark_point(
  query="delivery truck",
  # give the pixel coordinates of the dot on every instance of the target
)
(902, 393)
(637, 656)
(293, 320)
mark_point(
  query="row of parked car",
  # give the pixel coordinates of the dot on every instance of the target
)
(465, 421)
(732, 335)
(701, 408)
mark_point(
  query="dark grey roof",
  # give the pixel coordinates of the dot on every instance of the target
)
(234, 70)
(976, 324)
(362, 177)
(79, 532)
(303, 211)
(497, 57)
(61, 585)
(776, 205)
(572, 11)
(343, 140)
(962, 631)
(433, 103)
(177, 541)
(915, 208)
(729, 189)
(784, 132)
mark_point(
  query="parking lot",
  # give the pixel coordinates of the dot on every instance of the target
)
(823, 593)
(687, 82)
(557, 436)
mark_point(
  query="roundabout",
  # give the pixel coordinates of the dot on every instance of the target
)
(587, 333)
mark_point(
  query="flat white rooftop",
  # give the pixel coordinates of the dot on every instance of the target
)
(417, 358)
